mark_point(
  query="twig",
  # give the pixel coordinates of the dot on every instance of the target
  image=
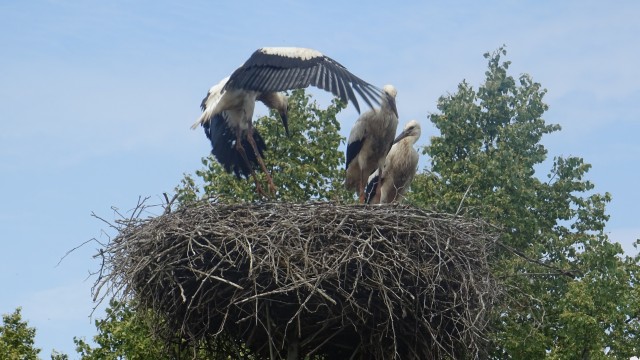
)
(464, 196)
(421, 278)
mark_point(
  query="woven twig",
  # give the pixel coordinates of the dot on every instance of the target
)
(344, 281)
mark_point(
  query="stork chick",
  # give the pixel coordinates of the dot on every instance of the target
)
(399, 168)
(370, 140)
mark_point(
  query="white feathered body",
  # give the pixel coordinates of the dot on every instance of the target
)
(370, 140)
(398, 172)
(400, 166)
(376, 129)
(239, 105)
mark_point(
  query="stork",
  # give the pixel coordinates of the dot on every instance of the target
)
(370, 140)
(227, 110)
(223, 140)
(398, 170)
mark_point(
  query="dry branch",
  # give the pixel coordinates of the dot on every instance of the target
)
(343, 281)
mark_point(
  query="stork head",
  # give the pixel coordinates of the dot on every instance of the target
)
(279, 102)
(389, 97)
(283, 106)
(411, 130)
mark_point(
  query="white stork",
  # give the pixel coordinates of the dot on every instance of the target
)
(399, 168)
(229, 105)
(370, 140)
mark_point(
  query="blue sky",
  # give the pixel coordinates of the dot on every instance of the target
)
(96, 100)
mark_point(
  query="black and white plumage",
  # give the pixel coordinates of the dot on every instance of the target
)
(370, 140)
(261, 78)
(399, 168)
(223, 140)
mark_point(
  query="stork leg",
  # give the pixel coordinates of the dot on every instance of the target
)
(242, 152)
(272, 187)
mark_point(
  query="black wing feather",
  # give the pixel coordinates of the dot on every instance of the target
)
(363, 95)
(372, 187)
(326, 79)
(284, 77)
(271, 72)
(353, 149)
(342, 89)
(303, 79)
(256, 65)
(346, 94)
(335, 88)
(293, 78)
(223, 147)
(371, 93)
(270, 75)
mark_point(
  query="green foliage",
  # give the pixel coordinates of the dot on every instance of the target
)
(307, 165)
(59, 356)
(129, 332)
(17, 338)
(570, 293)
(123, 334)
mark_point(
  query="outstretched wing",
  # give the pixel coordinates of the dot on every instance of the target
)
(286, 68)
(210, 101)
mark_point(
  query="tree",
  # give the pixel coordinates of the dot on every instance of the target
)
(123, 334)
(17, 338)
(570, 292)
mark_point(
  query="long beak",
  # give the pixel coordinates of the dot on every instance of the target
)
(401, 136)
(285, 121)
(392, 104)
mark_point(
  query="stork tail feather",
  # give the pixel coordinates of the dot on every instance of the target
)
(223, 147)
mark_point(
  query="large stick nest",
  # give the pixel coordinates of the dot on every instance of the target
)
(292, 280)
